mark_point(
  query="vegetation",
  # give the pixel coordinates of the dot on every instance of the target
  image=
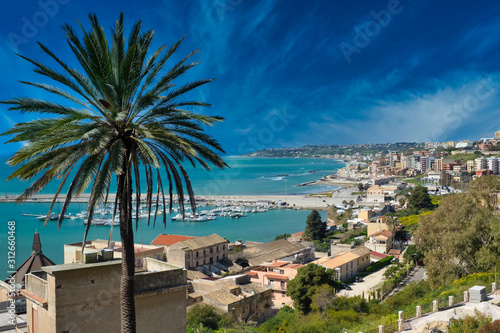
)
(315, 229)
(420, 198)
(332, 314)
(322, 150)
(479, 322)
(305, 284)
(122, 112)
(332, 213)
(282, 236)
(462, 236)
(205, 316)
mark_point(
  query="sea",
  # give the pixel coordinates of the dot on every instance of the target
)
(245, 176)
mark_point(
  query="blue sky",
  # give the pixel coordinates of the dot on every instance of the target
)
(291, 72)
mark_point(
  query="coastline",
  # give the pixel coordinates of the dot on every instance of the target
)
(294, 201)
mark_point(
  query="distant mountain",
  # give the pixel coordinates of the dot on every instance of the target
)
(329, 151)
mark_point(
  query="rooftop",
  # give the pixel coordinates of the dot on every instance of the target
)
(337, 261)
(385, 233)
(200, 242)
(167, 240)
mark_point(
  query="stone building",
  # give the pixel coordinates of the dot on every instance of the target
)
(86, 297)
(235, 295)
(192, 253)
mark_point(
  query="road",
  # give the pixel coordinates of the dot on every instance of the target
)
(369, 282)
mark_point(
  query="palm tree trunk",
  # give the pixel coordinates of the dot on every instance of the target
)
(127, 301)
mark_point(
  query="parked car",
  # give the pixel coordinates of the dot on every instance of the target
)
(358, 279)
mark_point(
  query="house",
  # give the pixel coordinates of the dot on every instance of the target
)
(363, 254)
(380, 241)
(235, 295)
(276, 276)
(70, 297)
(196, 252)
(296, 252)
(378, 225)
(345, 265)
(375, 194)
(73, 252)
(365, 214)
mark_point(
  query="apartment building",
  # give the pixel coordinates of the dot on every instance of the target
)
(276, 276)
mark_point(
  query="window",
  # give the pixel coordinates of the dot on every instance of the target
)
(196, 264)
(211, 250)
(282, 285)
(197, 254)
(223, 247)
(282, 271)
(283, 293)
(204, 252)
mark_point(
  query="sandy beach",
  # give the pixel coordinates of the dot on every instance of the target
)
(320, 201)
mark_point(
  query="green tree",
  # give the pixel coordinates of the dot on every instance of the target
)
(303, 287)
(205, 316)
(420, 198)
(118, 113)
(413, 254)
(315, 229)
(462, 236)
(322, 298)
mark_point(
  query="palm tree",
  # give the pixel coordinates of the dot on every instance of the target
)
(123, 114)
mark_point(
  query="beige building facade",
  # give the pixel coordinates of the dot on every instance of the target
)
(375, 194)
(74, 298)
(276, 276)
(200, 251)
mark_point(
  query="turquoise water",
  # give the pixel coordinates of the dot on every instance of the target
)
(246, 176)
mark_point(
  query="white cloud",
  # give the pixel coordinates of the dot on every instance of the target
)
(415, 116)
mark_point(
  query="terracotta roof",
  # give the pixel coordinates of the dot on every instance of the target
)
(339, 260)
(276, 276)
(252, 273)
(278, 263)
(167, 240)
(394, 252)
(298, 233)
(378, 254)
(385, 233)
